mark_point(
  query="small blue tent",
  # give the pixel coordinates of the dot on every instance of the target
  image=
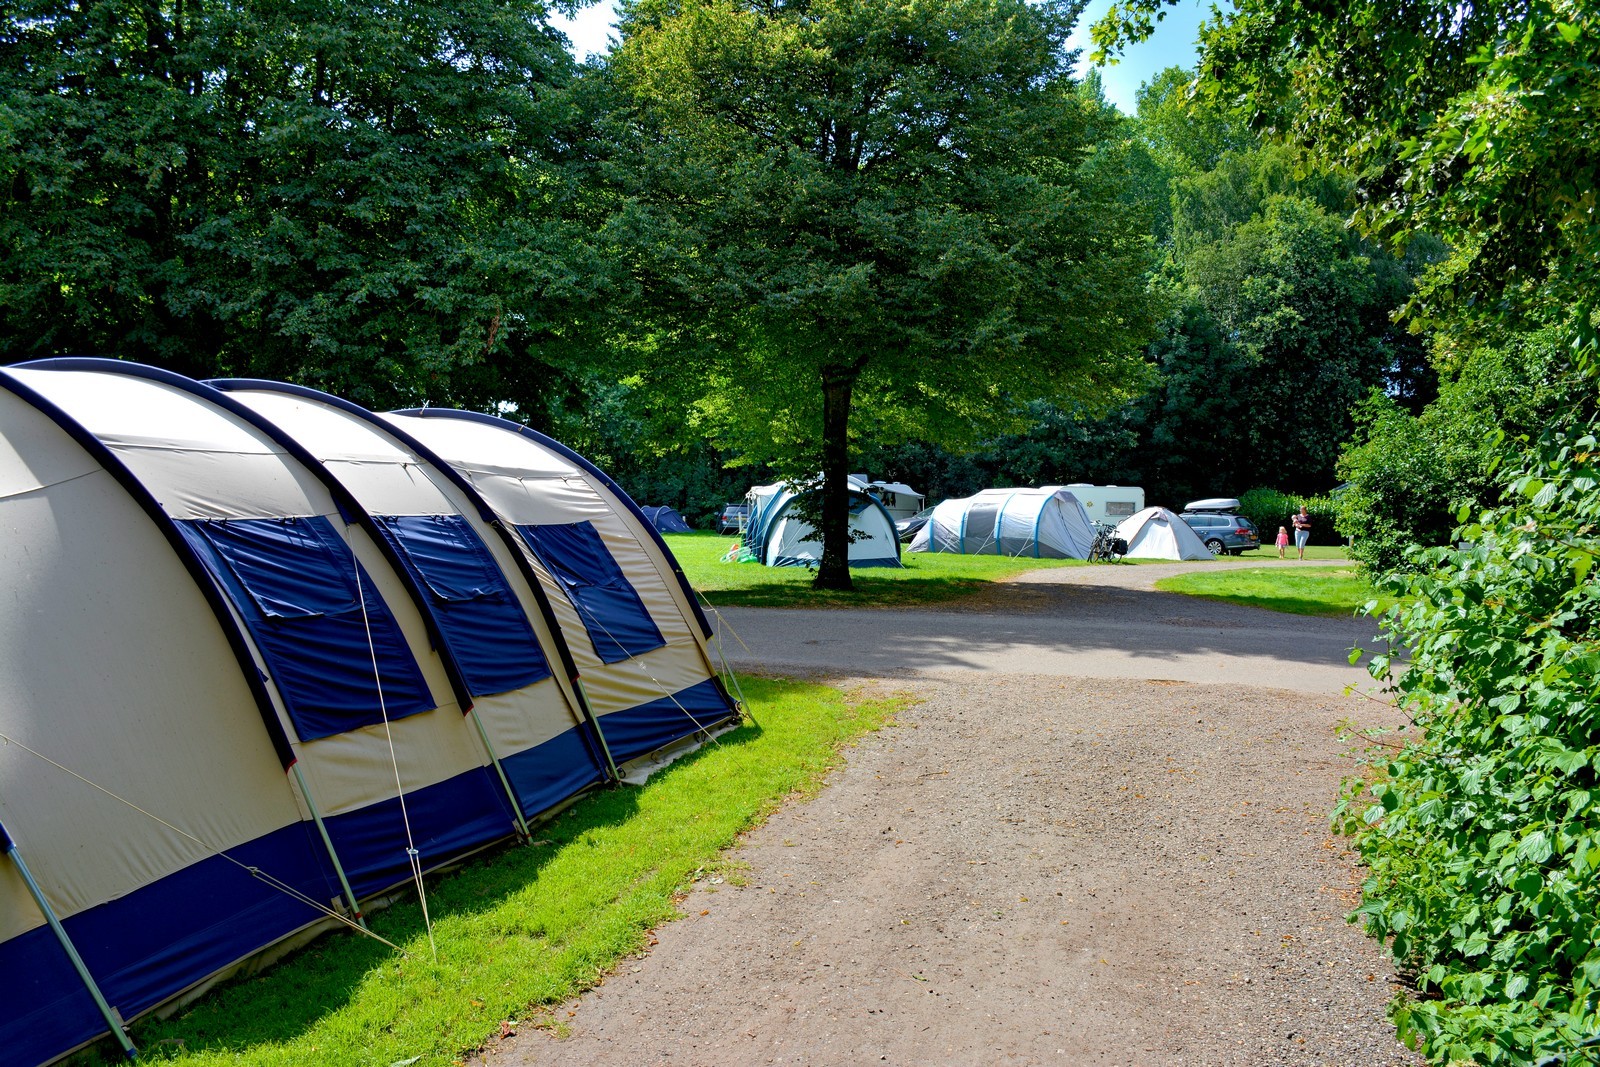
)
(665, 519)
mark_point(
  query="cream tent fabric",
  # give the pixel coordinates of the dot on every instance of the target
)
(216, 473)
(108, 648)
(394, 480)
(1156, 533)
(216, 608)
(642, 657)
(1045, 523)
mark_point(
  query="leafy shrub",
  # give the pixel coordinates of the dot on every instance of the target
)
(1402, 485)
(1482, 839)
(1270, 509)
(1408, 474)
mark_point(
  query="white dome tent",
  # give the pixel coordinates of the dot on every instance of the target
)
(221, 604)
(776, 535)
(1044, 523)
(1156, 533)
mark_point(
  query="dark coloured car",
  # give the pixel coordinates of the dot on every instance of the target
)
(907, 528)
(733, 518)
(1223, 531)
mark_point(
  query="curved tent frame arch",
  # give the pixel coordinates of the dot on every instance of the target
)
(594, 472)
(349, 507)
(609, 677)
(486, 514)
(142, 496)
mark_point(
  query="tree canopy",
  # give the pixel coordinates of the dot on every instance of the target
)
(355, 196)
(1475, 123)
(901, 213)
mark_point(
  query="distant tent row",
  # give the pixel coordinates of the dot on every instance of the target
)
(1156, 533)
(221, 603)
(777, 536)
(1044, 523)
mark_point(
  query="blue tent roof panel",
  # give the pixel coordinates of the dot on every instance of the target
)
(316, 615)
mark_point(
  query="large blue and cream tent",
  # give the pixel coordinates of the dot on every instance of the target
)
(266, 656)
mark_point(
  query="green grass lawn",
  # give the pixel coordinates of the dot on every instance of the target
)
(1281, 586)
(526, 927)
(926, 578)
(1313, 552)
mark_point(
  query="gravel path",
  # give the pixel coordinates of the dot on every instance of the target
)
(1039, 863)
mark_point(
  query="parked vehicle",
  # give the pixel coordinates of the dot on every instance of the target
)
(1107, 503)
(907, 528)
(733, 519)
(1223, 531)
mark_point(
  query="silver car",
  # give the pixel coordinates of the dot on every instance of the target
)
(1223, 531)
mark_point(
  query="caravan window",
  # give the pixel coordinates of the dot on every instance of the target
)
(618, 624)
(478, 615)
(294, 583)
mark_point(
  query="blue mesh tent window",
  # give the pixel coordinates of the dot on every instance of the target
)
(478, 616)
(612, 612)
(294, 583)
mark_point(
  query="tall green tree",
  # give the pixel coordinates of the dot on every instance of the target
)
(1477, 123)
(357, 196)
(894, 217)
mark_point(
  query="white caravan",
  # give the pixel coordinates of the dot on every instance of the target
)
(1107, 503)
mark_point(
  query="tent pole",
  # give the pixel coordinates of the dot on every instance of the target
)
(594, 722)
(327, 842)
(113, 1020)
(494, 757)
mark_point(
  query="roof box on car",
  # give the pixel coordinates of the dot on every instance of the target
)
(1214, 503)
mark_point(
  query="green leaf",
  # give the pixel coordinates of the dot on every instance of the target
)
(1535, 847)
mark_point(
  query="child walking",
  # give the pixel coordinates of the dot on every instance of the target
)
(1283, 540)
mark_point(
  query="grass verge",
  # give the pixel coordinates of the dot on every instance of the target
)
(1323, 591)
(528, 927)
(926, 578)
(1320, 553)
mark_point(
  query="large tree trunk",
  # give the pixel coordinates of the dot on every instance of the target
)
(837, 385)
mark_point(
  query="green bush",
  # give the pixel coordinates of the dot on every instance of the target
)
(1407, 474)
(1270, 509)
(1403, 484)
(1482, 837)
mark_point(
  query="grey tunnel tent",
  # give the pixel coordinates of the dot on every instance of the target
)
(190, 575)
(1045, 523)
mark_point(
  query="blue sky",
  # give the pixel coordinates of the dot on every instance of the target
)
(1172, 45)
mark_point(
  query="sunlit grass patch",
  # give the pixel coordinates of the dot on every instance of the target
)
(527, 927)
(1283, 586)
(926, 578)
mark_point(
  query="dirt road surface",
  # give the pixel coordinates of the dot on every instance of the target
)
(1099, 838)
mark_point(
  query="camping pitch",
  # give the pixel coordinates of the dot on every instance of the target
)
(1156, 533)
(266, 657)
(1044, 523)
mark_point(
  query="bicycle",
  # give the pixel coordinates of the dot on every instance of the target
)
(1107, 547)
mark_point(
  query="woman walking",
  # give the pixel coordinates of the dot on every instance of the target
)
(1302, 531)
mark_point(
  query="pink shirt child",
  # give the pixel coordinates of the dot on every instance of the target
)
(1283, 537)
